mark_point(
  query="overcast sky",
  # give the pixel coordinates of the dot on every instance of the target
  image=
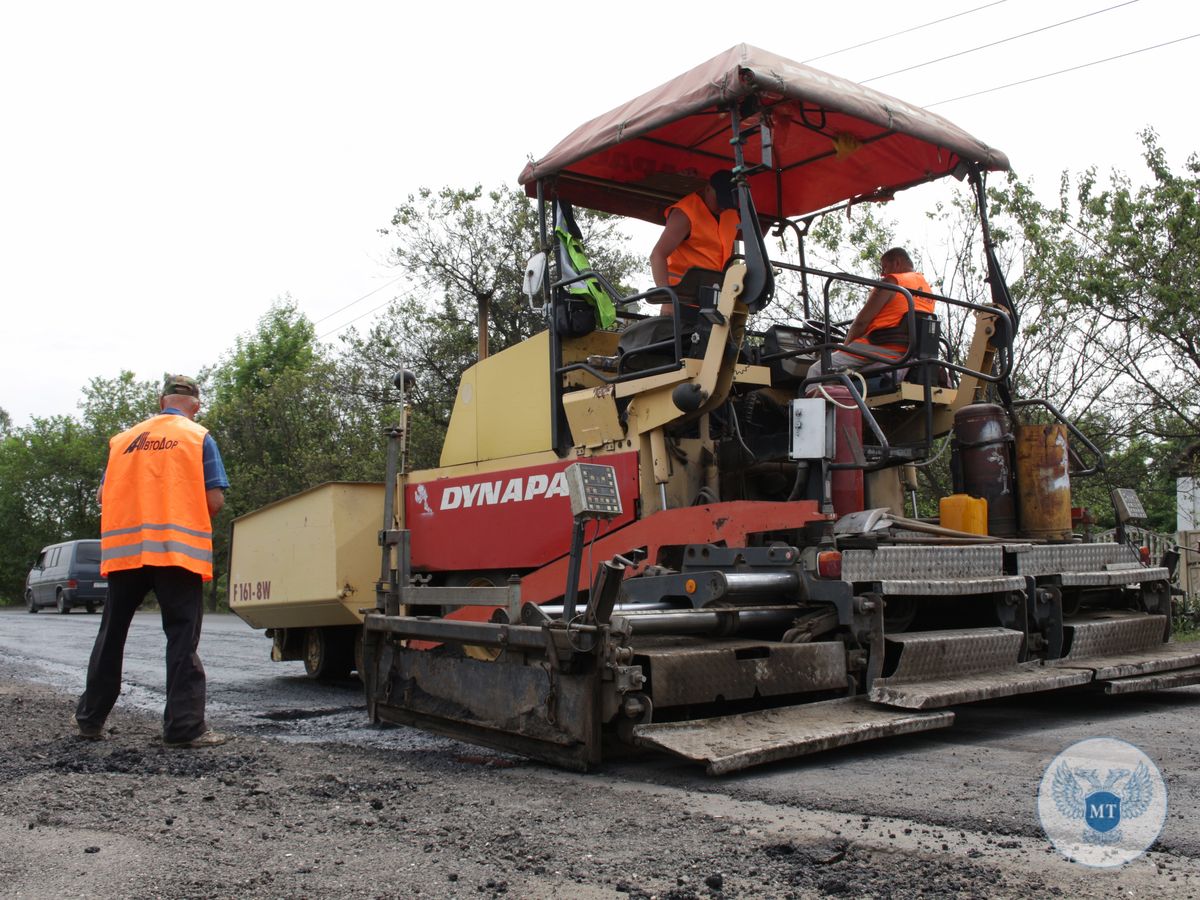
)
(168, 169)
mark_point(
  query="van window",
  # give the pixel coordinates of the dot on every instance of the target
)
(52, 557)
(87, 552)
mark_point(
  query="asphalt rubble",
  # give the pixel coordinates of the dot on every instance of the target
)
(259, 817)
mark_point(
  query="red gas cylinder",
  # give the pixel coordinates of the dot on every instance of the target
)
(847, 484)
(981, 463)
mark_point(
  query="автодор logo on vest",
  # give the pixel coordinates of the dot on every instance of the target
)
(144, 442)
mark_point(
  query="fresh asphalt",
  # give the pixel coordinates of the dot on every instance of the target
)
(981, 774)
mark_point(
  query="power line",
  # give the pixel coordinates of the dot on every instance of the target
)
(359, 300)
(1094, 62)
(887, 37)
(376, 309)
(997, 43)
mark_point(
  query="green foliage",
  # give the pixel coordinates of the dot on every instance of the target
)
(50, 470)
(1106, 279)
(49, 473)
(1113, 274)
(849, 242)
(111, 405)
(462, 249)
(1108, 283)
(284, 341)
(284, 421)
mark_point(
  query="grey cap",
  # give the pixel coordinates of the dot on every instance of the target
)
(181, 384)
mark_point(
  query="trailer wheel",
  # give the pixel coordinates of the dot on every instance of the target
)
(326, 654)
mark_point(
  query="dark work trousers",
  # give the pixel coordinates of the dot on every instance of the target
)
(179, 597)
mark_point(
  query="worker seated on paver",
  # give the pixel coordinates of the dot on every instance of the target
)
(699, 234)
(881, 326)
(689, 257)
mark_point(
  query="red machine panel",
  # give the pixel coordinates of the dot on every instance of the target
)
(515, 519)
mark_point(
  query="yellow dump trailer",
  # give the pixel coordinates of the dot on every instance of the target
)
(303, 567)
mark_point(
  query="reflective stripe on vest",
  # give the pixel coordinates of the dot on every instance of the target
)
(709, 243)
(155, 506)
(141, 548)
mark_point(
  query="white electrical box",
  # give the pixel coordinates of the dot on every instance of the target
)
(593, 491)
(1129, 505)
(808, 428)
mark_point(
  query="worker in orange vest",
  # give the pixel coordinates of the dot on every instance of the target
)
(163, 484)
(881, 326)
(699, 233)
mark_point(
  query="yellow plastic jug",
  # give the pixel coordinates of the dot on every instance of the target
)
(963, 512)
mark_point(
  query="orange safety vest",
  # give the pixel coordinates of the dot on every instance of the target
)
(154, 507)
(710, 241)
(893, 312)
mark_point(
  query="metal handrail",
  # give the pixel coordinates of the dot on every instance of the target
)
(674, 344)
(889, 363)
(880, 364)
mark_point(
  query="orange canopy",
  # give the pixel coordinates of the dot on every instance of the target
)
(833, 141)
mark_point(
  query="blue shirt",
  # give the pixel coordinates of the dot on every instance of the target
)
(214, 466)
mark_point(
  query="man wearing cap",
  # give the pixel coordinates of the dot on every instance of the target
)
(881, 326)
(164, 482)
(699, 233)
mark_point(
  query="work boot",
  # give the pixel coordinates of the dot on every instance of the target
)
(208, 739)
(87, 732)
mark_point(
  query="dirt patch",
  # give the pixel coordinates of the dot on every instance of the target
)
(126, 817)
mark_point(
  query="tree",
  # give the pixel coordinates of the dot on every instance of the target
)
(465, 251)
(1117, 268)
(51, 468)
(111, 405)
(284, 341)
(836, 242)
(1108, 282)
(48, 478)
(279, 415)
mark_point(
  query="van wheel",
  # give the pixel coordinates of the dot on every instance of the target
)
(30, 602)
(326, 653)
(61, 604)
(91, 608)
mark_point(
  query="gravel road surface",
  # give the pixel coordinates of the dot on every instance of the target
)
(311, 801)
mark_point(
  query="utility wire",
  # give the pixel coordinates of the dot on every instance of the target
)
(887, 37)
(1094, 62)
(359, 300)
(997, 43)
(375, 309)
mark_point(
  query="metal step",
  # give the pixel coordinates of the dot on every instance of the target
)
(1112, 634)
(1159, 682)
(731, 743)
(1125, 653)
(942, 668)
(1162, 658)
